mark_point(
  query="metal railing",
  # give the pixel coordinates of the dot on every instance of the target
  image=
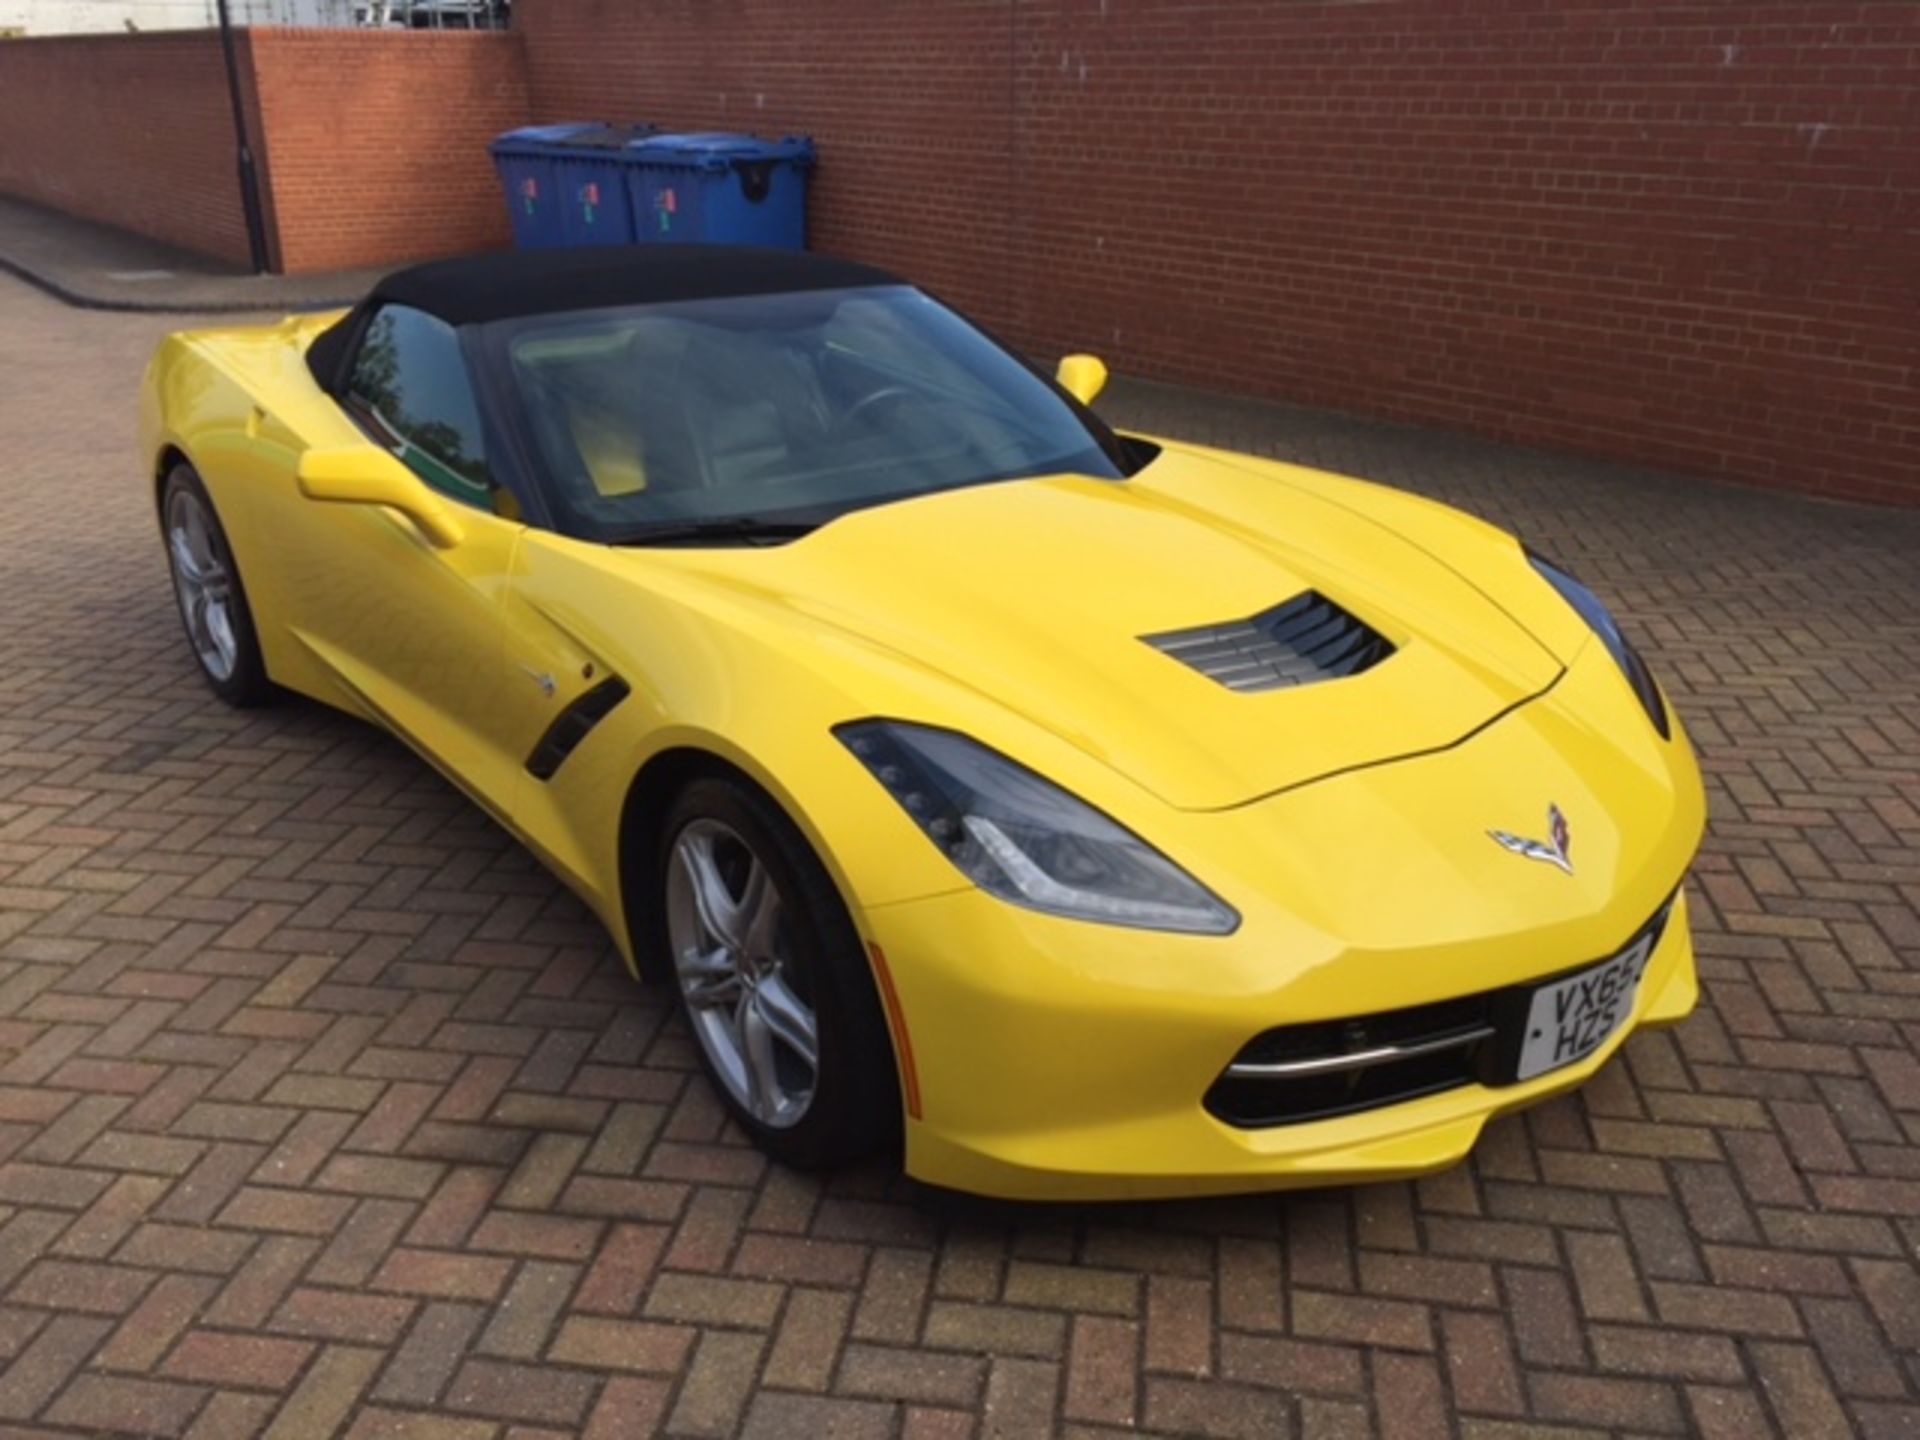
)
(435, 14)
(78, 17)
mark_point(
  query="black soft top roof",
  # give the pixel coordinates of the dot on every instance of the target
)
(541, 282)
(514, 283)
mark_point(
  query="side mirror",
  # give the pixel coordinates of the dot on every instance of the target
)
(1082, 376)
(364, 475)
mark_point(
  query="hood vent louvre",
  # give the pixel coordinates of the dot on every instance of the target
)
(1307, 639)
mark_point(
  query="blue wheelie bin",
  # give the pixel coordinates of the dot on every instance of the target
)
(719, 188)
(567, 184)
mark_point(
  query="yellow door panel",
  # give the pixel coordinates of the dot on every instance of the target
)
(423, 641)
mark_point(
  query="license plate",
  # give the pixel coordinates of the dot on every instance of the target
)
(1571, 1018)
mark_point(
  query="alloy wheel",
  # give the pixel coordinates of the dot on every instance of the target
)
(202, 584)
(732, 954)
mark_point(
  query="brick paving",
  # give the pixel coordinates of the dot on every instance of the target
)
(324, 1111)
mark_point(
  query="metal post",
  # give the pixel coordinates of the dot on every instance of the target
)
(249, 176)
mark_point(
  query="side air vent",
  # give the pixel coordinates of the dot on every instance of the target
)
(572, 725)
(1307, 639)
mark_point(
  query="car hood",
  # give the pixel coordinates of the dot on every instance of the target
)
(1036, 593)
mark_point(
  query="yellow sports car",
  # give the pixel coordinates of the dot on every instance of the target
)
(1098, 815)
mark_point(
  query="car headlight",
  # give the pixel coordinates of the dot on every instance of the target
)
(1590, 609)
(1025, 839)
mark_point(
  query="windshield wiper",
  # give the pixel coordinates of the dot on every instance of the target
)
(744, 529)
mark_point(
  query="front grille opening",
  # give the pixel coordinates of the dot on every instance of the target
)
(1307, 639)
(1444, 1040)
(1255, 1104)
(1335, 1038)
(1329, 1068)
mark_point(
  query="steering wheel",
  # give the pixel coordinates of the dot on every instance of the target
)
(872, 398)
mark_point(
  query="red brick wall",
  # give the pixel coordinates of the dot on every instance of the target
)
(371, 144)
(1677, 231)
(376, 141)
(1680, 233)
(911, 101)
(132, 130)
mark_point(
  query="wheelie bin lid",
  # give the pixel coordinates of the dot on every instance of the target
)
(718, 149)
(559, 139)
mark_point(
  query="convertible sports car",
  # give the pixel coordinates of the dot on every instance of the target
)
(1100, 815)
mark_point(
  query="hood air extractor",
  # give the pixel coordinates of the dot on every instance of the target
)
(1307, 639)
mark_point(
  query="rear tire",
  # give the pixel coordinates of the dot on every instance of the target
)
(772, 978)
(210, 596)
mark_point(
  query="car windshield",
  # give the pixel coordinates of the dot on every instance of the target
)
(779, 412)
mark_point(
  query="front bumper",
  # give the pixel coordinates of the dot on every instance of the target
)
(1062, 1060)
(1105, 1102)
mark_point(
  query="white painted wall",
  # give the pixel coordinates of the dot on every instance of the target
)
(72, 17)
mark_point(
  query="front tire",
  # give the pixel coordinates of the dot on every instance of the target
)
(772, 978)
(211, 599)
